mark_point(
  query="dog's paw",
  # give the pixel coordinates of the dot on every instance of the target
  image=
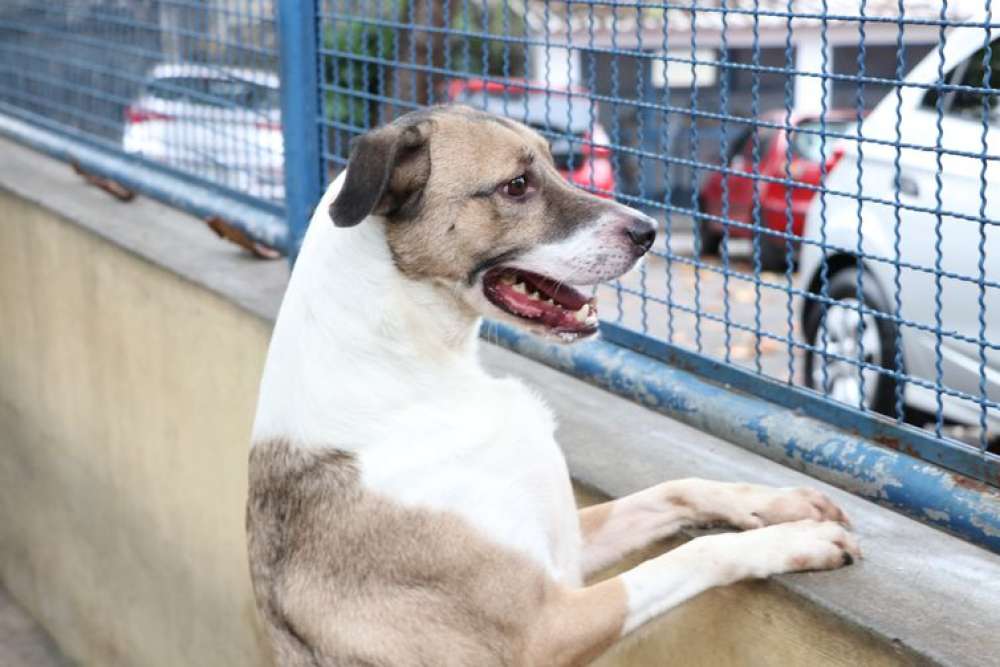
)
(749, 506)
(806, 545)
(787, 547)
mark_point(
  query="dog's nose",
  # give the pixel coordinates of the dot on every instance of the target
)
(641, 232)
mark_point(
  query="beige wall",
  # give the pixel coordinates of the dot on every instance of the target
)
(126, 396)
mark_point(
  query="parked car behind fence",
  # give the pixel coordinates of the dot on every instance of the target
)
(756, 178)
(904, 312)
(222, 124)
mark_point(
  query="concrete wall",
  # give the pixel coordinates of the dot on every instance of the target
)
(126, 398)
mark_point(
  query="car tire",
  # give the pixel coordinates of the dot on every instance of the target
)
(879, 336)
(711, 240)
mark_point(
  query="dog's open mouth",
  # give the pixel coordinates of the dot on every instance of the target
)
(559, 308)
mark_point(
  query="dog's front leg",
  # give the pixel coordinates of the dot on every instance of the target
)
(578, 625)
(613, 529)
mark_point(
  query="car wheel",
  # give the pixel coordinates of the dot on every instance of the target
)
(846, 331)
(711, 240)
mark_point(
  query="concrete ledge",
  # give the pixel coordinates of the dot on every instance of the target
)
(919, 597)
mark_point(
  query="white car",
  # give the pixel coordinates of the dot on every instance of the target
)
(222, 124)
(965, 195)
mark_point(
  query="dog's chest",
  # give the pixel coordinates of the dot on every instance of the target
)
(491, 458)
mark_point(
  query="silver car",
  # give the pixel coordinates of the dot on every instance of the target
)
(944, 259)
(222, 124)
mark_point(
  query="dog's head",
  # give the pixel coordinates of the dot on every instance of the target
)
(474, 203)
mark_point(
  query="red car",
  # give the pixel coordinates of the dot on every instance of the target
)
(567, 118)
(805, 167)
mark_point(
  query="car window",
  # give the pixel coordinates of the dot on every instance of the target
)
(740, 145)
(809, 145)
(206, 91)
(765, 135)
(970, 103)
(971, 73)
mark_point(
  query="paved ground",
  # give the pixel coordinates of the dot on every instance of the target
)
(23, 643)
(703, 300)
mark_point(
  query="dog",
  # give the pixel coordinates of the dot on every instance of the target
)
(407, 508)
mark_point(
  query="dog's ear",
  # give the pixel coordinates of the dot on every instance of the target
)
(386, 173)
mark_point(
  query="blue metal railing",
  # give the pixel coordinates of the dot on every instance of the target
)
(174, 98)
(304, 179)
(823, 172)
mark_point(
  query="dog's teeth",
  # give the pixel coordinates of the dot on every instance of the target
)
(581, 315)
(549, 301)
(520, 288)
(507, 280)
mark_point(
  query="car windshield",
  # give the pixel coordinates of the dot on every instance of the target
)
(808, 145)
(559, 111)
(214, 92)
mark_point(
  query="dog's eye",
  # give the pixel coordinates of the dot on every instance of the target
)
(516, 187)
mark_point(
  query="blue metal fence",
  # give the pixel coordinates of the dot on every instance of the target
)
(155, 91)
(823, 170)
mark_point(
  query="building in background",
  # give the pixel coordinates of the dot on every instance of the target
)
(672, 58)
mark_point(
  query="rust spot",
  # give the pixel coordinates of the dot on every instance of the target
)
(887, 441)
(972, 484)
(896, 445)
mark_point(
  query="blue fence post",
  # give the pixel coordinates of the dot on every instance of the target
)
(300, 110)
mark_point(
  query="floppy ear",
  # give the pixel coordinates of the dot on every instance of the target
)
(387, 170)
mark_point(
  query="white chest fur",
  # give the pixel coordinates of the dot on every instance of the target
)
(486, 453)
(364, 360)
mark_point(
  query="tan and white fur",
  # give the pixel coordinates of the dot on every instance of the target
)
(407, 508)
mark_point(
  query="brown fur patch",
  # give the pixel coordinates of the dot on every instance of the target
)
(345, 577)
(679, 499)
(593, 518)
(457, 222)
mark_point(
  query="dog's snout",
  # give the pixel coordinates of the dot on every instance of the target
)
(641, 232)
